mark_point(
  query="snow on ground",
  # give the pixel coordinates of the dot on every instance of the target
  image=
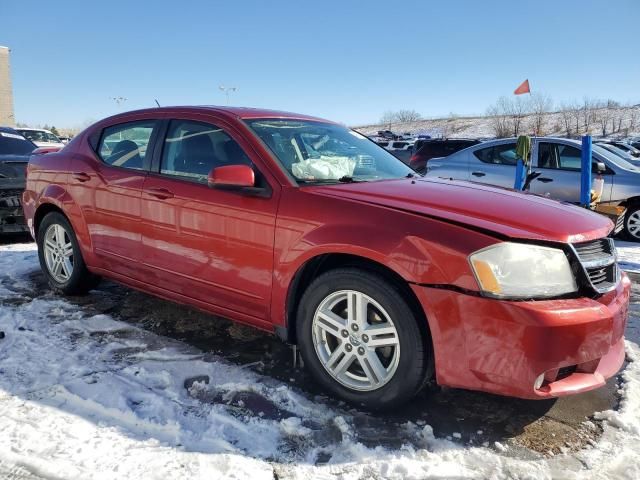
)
(86, 396)
(628, 256)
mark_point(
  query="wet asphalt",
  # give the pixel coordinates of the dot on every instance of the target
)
(531, 428)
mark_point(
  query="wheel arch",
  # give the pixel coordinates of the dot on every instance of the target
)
(325, 262)
(42, 211)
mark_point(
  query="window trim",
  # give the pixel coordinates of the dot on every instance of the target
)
(146, 163)
(475, 151)
(158, 151)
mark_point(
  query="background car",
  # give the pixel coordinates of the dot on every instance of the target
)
(425, 150)
(41, 137)
(624, 154)
(559, 162)
(14, 155)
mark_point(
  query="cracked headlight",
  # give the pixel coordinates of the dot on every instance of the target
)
(519, 271)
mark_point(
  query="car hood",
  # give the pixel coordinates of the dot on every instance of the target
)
(502, 211)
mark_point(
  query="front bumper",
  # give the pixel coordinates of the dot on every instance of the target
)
(11, 215)
(504, 347)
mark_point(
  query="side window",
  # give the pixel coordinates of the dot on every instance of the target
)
(192, 149)
(570, 157)
(559, 156)
(125, 145)
(498, 155)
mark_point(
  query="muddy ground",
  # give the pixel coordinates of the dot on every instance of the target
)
(530, 428)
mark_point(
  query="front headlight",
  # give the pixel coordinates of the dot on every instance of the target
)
(518, 270)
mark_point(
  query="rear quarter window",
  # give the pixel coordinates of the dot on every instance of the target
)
(126, 145)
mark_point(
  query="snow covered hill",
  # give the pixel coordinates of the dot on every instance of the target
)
(482, 126)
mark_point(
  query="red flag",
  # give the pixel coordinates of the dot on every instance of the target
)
(523, 88)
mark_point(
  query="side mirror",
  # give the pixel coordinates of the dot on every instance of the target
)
(601, 167)
(232, 176)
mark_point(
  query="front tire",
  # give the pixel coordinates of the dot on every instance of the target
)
(361, 340)
(632, 223)
(60, 257)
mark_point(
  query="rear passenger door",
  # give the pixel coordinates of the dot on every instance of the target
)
(494, 165)
(108, 189)
(210, 245)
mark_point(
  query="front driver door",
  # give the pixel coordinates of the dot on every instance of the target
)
(213, 246)
(559, 166)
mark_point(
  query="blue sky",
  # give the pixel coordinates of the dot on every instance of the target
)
(344, 60)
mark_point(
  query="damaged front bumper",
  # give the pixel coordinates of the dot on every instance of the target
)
(11, 215)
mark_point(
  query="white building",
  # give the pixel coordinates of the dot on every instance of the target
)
(7, 117)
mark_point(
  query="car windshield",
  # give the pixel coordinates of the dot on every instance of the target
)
(14, 144)
(317, 152)
(39, 136)
(615, 159)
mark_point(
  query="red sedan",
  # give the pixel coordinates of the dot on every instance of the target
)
(304, 228)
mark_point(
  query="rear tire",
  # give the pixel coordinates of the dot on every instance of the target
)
(60, 257)
(340, 333)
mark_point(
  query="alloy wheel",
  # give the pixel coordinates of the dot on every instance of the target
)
(356, 340)
(58, 253)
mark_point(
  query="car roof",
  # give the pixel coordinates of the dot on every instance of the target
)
(34, 129)
(8, 130)
(244, 113)
(570, 141)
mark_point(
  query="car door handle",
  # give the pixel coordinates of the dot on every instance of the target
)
(478, 174)
(81, 176)
(545, 179)
(161, 193)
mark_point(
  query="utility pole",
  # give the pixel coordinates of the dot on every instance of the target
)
(227, 90)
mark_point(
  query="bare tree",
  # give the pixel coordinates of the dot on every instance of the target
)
(399, 116)
(516, 109)
(587, 113)
(567, 115)
(575, 109)
(388, 118)
(541, 104)
(602, 114)
(634, 113)
(408, 116)
(499, 118)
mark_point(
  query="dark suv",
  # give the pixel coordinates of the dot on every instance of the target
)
(425, 150)
(14, 155)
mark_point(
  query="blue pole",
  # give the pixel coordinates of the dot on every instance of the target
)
(585, 177)
(519, 174)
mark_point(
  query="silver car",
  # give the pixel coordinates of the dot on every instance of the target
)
(558, 161)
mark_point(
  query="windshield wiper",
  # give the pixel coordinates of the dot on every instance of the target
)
(343, 179)
(347, 179)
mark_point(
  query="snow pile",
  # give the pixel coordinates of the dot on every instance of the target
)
(87, 396)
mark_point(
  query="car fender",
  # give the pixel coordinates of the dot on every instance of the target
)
(418, 257)
(58, 196)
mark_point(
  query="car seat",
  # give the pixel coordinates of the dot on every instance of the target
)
(126, 153)
(197, 155)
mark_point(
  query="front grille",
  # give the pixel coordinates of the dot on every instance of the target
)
(10, 198)
(598, 261)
